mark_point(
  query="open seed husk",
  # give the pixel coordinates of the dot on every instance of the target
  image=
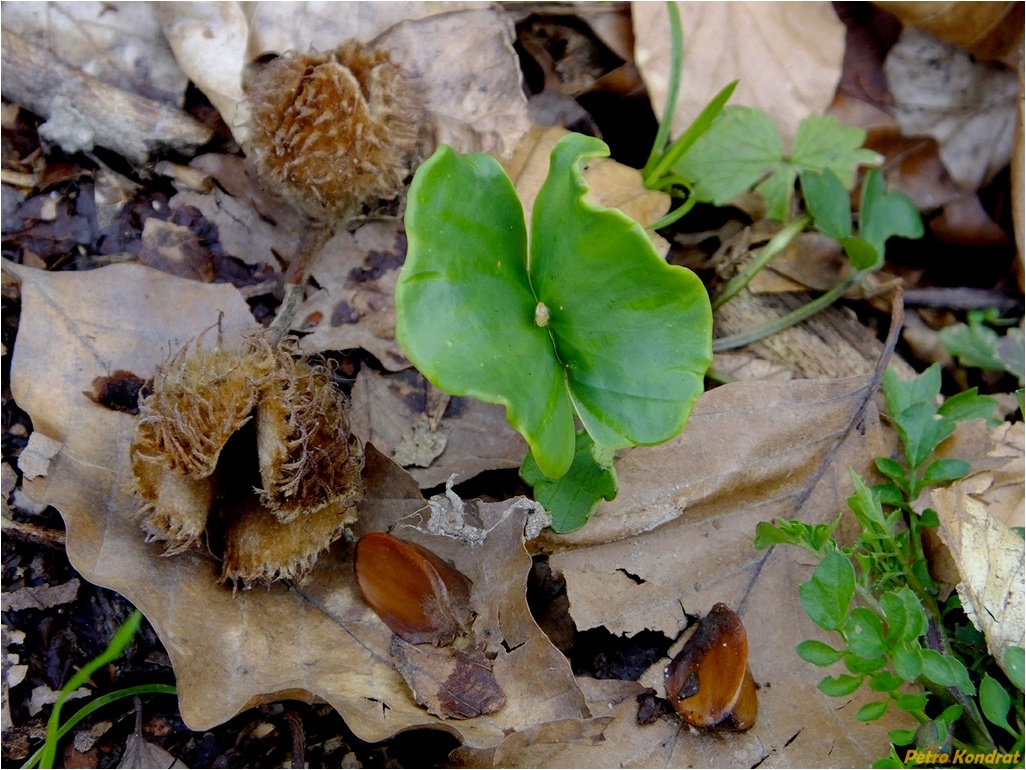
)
(247, 449)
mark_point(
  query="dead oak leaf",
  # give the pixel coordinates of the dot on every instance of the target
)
(316, 639)
(678, 538)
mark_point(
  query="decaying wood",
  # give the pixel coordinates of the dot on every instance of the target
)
(82, 112)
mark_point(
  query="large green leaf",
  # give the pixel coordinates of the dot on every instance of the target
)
(590, 320)
(633, 332)
(464, 306)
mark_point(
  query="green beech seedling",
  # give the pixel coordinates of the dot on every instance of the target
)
(580, 318)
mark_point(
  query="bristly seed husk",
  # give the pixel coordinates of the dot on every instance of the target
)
(306, 482)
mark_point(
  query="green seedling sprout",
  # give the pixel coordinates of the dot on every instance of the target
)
(47, 753)
(579, 319)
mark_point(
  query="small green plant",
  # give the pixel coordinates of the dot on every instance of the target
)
(976, 344)
(878, 596)
(579, 319)
(730, 150)
(45, 756)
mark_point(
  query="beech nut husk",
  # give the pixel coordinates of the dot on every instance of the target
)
(708, 682)
(422, 598)
(334, 132)
(249, 448)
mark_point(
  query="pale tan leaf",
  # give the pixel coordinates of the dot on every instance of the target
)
(969, 107)
(316, 639)
(611, 184)
(989, 557)
(119, 43)
(786, 55)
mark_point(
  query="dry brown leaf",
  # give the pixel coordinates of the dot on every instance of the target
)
(969, 107)
(316, 639)
(387, 409)
(786, 55)
(451, 53)
(39, 597)
(679, 538)
(253, 224)
(119, 43)
(611, 184)
(989, 556)
(355, 306)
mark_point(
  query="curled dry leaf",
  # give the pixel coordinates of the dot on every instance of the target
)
(610, 184)
(315, 640)
(989, 558)
(787, 57)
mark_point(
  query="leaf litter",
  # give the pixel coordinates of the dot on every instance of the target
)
(684, 512)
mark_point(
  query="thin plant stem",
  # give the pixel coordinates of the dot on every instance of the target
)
(674, 215)
(676, 64)
(655, 176)
(796, 316)
(100, 702)
(117, 645)
(776, 244)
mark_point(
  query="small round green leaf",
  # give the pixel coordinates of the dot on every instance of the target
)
(864, 632)
(817, 653)
(995, 702)
(885, 681)
(871, 711)
(911, 702)
(828, 594)
(839, 686)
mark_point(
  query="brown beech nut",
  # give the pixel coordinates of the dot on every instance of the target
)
(422, 598)
(708, 682)
(334, 132)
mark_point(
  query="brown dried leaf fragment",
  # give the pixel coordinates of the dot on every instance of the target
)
(452, 684)
(334, 131)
